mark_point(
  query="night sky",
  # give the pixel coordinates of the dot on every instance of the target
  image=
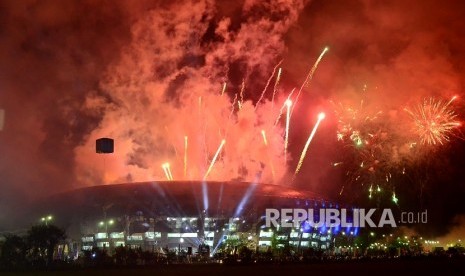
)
(73, 71)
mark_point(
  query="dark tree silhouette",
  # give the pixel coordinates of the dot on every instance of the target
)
(42, 240)
(13, 252)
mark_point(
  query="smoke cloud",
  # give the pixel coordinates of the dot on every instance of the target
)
(167, 84)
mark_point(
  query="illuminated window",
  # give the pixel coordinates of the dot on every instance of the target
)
(87, 247)
(103, 244)
(100, 236)
(119, 243)
(152, 235)
(135, 237)
(189, 235)
(266, 234)
(116, 235)
(87, 239)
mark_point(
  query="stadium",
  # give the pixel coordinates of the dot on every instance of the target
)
(182, 216)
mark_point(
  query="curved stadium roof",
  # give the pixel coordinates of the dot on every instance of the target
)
(172, 199)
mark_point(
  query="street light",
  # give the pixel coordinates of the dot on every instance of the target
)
(106, 223)
(46, 219)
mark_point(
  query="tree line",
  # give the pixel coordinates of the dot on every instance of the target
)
(34, 250)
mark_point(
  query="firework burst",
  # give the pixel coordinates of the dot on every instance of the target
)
(354, 123)
(434, 121)
(370, 143)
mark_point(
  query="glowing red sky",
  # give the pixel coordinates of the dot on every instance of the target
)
(74, 71)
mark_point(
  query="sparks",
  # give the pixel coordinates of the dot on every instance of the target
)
(352, 122)
(321, 116)
(288, 119)
(310, 74)
(434, 121)
(214, 159)
(275, 88)
(394, 198)
(267, 84)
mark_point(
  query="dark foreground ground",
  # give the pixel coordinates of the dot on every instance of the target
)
(376, 268)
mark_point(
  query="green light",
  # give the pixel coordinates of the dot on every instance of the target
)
(394, 198)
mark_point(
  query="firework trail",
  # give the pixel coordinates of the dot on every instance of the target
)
(310, 75)
(169, 171)
(267, 84)
(275, 88)
(265, 141)
(214, 159)
(241, 94)
(224, 89)
(185, 156)
(434, 121)
(321, 116)
(283, 106)
(165, 167)
(288, 119)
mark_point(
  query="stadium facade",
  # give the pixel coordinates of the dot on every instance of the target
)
(184, 216)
